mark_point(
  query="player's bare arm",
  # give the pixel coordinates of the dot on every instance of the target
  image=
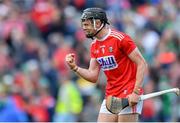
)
(137, 57)
(91, 74)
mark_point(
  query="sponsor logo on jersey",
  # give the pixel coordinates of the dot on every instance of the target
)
(107, 62)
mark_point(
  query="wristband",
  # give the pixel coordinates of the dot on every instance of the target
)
(137, 90)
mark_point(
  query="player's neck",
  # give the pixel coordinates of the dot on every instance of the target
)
(103, 34)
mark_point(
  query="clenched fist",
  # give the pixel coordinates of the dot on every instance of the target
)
(70, 59)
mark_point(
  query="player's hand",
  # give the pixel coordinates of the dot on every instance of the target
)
(133, 99)
(70, 60)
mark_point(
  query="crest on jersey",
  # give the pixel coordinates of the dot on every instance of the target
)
(107, 62)
(110, 49)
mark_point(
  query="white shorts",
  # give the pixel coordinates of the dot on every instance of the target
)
(128, 110)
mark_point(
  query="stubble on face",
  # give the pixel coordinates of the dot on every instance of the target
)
(88, 28)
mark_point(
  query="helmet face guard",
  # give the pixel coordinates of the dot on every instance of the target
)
(93, 14)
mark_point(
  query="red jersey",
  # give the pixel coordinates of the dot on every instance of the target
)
(112, 55)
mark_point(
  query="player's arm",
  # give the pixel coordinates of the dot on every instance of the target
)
(137, 57)
(91, 74)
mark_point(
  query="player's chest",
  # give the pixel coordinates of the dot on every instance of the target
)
(106, 49)
(108, 55)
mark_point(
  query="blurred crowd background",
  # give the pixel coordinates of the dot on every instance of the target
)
(35, 35)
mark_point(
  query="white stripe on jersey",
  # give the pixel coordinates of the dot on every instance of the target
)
(117, 34)
(116, 37)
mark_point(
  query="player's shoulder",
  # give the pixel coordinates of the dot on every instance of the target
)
(93, 42)
(118, 34)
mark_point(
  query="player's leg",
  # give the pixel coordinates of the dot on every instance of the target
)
(130, 114)
(128, 118)
(107, 117)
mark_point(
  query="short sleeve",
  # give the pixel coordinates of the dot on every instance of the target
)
(127, 45)
(92, 51)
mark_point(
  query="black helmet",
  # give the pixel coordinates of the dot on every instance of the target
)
(95, 13)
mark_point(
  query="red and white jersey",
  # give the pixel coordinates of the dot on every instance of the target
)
(112, 55)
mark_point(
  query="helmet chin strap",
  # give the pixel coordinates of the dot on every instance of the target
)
(99, 29)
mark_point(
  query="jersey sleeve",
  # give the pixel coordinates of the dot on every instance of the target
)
(127, 45)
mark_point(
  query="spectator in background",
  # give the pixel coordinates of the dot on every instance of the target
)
(10, 112)
(69, 103)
